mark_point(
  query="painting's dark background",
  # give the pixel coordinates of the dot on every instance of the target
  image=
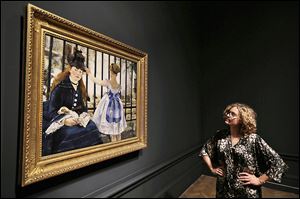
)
(202, 56)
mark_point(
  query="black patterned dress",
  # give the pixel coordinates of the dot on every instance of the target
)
(251, 154)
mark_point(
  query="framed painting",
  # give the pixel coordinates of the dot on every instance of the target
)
(85, 97)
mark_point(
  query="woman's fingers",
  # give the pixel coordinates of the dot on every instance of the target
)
(244, 174)
(246, 183)
(219, 171)
(71, 122)
(244, 179)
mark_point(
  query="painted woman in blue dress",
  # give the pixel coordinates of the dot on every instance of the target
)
(109, 114)
(68, 91)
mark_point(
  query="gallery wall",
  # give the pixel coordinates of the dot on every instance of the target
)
(173, 130)
(250, 54)
(202, 56)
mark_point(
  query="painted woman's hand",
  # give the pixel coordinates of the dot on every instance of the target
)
(248, 179)
(70, 122)
(87, 70)
(217, 171)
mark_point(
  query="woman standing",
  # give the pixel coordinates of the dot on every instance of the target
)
(109, 115)
(239, 157)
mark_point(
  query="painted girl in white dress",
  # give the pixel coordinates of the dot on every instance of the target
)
(109, 115)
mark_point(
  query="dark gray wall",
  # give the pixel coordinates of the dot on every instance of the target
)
(202, 56)
(249, 53)
(173, 126)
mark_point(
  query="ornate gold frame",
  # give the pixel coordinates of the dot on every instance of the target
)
(36, 167)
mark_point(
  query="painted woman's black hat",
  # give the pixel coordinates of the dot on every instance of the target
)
(77, 59)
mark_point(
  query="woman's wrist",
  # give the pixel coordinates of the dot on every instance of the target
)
(263, 179)
(261, 182)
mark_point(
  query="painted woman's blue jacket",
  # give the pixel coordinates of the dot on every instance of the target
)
(68, 137)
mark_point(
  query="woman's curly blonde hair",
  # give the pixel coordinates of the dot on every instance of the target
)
(247, 117)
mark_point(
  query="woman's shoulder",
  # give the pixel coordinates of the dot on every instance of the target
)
(64, 84)
(221, 133)
(113, 86)
(61, 87)
(254, 138)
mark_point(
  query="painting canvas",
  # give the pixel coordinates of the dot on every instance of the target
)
(56, 53)
(85, 97)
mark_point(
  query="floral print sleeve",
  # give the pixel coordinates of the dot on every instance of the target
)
(210, 148)
(269, 162)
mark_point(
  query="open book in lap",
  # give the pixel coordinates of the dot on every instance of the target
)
(82, 119)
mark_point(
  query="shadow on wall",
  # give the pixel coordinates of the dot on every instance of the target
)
(71, 176)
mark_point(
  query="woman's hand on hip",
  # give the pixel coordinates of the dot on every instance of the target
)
(217, 171)
(247, 179)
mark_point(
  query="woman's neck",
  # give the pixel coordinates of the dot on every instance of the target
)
(235, 131)
(113, 76)
(74, 82)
